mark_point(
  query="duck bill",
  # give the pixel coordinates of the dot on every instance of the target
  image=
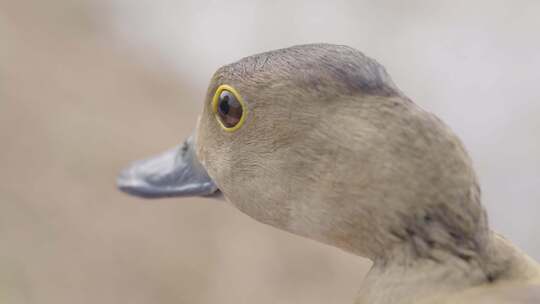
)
(176, 172)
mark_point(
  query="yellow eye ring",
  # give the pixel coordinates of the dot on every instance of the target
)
(229, 108)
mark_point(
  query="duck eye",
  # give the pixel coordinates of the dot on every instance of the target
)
(228, 108)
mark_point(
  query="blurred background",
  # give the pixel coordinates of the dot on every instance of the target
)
(87, 86)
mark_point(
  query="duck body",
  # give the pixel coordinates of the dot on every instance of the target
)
(332, 150)
(504, 275)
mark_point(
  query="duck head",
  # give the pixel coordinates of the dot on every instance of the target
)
(318, 141)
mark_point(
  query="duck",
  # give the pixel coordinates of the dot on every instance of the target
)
(317, 140)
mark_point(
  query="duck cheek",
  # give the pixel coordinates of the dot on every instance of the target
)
(200, 154)
(209, 162)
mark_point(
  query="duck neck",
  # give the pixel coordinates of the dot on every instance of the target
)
(404, 276)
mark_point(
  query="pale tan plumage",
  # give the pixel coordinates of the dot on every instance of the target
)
(333, 151)
(505, 293)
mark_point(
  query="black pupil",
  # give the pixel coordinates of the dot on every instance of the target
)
(229, 109)
(224, 105)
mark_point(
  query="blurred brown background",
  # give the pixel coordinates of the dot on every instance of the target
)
(87, 86)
